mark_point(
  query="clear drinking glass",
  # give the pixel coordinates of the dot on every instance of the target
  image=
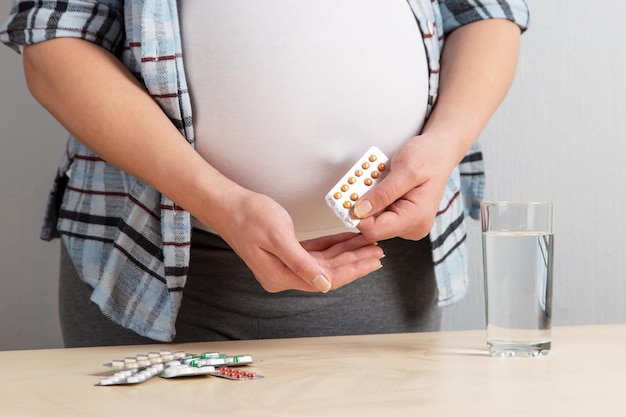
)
(518, 252)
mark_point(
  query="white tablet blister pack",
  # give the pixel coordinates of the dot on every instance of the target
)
(368, 171)
(176, 369)
(133, 376)
(145, 359)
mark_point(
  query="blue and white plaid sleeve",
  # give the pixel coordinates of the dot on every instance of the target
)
(456, 13)
(30, 22)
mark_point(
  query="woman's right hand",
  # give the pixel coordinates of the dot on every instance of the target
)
(262, 233)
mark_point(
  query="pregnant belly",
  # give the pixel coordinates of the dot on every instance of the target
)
(288, 94)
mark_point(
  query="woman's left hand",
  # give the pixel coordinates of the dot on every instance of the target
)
(406, 202)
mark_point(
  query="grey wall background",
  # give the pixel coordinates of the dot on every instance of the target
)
(559, 135)
(31, 143)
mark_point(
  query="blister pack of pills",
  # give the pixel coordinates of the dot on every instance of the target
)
(145, 359)
(368, 171)
(133, 376)
(216, 359)
(167, 364)
(235, 374)
(176, 369)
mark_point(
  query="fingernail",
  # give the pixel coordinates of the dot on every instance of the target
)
(362, 209)
(321, 283)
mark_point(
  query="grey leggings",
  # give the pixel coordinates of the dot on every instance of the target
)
(222, 301)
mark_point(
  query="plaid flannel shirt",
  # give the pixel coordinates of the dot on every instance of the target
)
(132, 243)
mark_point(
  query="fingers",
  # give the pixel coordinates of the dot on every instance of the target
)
(346, 273)
(389, 190)
(275, 276)
(346, 266)
(324, 242)
(379, 221)
(337, 244)
(354, 244)
(408, 217)
(297, 269)
(349, 258)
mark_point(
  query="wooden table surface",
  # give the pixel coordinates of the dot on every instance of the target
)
(427, 374)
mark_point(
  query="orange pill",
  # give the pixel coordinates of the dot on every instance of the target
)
(365, 165)
(337, 195)
(351, 180)
(372, 158)
(347, 204)
(345, 187)
(354, 196)
(375, 174)
(358, 172)
(382, 167)
(368, 181)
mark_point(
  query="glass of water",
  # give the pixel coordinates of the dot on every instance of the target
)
(518, 252)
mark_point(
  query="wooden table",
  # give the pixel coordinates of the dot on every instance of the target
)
(429, 374)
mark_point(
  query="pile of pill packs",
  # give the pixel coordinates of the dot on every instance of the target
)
(168, 364)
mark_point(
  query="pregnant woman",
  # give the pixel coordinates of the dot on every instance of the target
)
(205, 134)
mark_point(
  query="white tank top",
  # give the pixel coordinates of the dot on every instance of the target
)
(288, 94)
